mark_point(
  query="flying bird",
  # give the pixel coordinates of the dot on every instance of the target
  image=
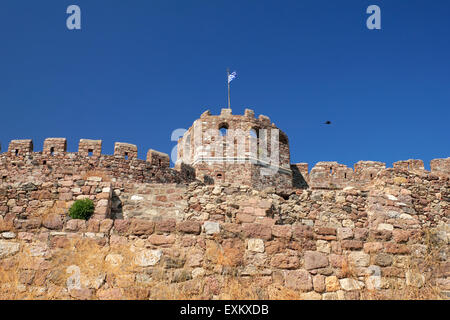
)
(328, 122)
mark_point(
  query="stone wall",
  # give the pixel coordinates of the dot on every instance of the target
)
(372, 238)
(330, 175)
(21, 164)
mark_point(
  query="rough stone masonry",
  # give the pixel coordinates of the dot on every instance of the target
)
(330, 233)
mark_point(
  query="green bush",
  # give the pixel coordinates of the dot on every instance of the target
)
(81, 209)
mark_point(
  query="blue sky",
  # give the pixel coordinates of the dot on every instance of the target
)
(140, 69)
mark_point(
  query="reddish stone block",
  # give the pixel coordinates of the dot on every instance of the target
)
(299, 280)
(53, 222)
(384, 235)
(266, 221)
(319, 283)
(157, 239)
(168, 225)
(373, 247)
(326, 231)
(282, 231)
(103, 195)
(245, 218)
(231, 229)
(121, 226)
(351, 244)
(161, 198)
(189, 226)
(284, 261)
(401, 235)
(140, 227)
(106, 225)
(81, 294)
(302, 232)
(93, 225)
(336, 261)
(396, 248)
(327, 238)
(75, 225)
(361, 233)
(260, 212)
(257, 230)
(275, 246)
(315, 260)
(66, 196)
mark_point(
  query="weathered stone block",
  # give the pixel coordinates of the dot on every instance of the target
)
(352, 244)
(255, 245)
(298, 280)
(282, 231)
(257, 230)
(141, 227)
(147, 258)
(211, 227)
(315, 260)
(284, 261)
(189, 227)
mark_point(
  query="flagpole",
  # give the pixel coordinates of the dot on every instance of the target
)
(228, 82)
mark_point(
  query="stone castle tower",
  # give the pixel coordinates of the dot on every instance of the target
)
(239, 149)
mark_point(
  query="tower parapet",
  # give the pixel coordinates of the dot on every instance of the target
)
(238, 149)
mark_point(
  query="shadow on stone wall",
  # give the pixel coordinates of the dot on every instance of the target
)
(298, 181)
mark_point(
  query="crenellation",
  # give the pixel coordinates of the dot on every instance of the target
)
(368, 170)
(55, 146)
(264, 119)
(411, 165)
(225, 112)
(90, 148)
(20, 147)
(330, 175)
(249, 113)
(125, 150)
(324, 175)
(55, 162)
(157, 158)
(440, 166)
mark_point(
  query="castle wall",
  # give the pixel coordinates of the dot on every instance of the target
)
(21, 164)
(317, 244)
(331, 175)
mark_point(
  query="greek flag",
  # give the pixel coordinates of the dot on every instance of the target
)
(231, 76)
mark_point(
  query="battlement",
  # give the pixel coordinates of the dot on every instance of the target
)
(125, 150)
(249, 114)
(55, 146)
(332, 175)
(158, 158)
(86, 148)
(20, 147)
(22, 163)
